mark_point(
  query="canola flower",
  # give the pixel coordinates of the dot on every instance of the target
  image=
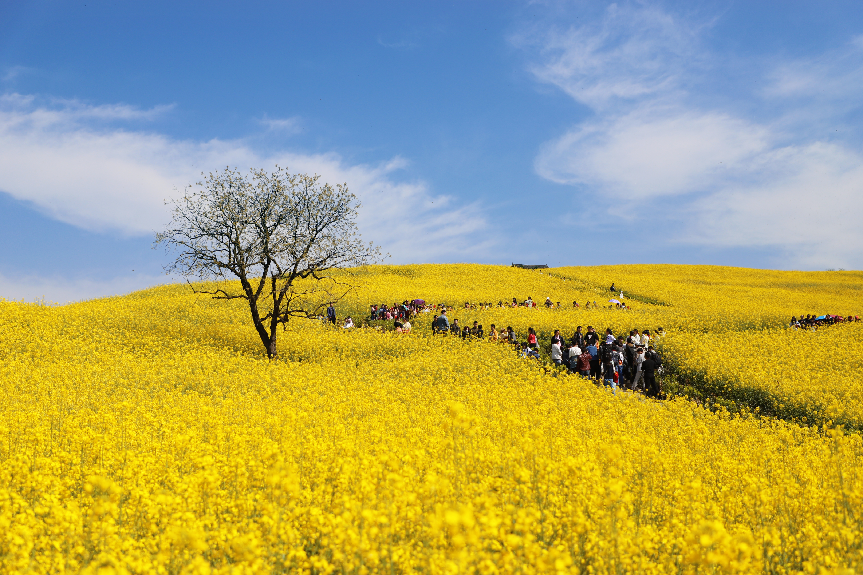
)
(147, 434)
(727, 327)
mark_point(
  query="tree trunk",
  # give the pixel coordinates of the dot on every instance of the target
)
(272, 350)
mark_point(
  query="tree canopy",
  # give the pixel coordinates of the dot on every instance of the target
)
(270, 231)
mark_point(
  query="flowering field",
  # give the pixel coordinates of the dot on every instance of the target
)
(148, 433)
(726, 327)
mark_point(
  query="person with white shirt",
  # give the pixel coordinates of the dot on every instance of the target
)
(556, 355)
(574, 352)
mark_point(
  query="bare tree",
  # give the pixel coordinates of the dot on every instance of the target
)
(272, 231)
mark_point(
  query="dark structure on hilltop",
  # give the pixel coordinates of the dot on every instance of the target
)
(530, 267)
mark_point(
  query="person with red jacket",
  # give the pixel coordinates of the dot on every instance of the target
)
(531, 338)
(583, 365)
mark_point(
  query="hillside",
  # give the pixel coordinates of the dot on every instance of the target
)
(149, 433)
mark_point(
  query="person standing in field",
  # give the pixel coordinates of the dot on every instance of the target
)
(638, 378)
(574, 353)
(584, 363)
(455, 328)
(629, 361)
(531, 338)
(607, 367)
(648, 368)
(594, 360)
(331, 314)
(556, 354)
(578, 337)
(556, 338)
(442, 322)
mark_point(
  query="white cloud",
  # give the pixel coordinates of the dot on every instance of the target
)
(737, 179)
(63, 290)
(401, 45)
(633, 52)
(804, 199)
(101, 177)
(12, 73)
(652, 152)
(284, 125)
(835, 76)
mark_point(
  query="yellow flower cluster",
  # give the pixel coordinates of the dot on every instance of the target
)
(148, 433)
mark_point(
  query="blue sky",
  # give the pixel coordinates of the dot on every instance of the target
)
(563, 133)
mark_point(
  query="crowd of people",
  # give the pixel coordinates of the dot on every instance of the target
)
(626, 362)
(623, 361)
(408, 309)
(815, 321)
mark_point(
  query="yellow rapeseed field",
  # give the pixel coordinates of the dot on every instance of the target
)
(149, 434)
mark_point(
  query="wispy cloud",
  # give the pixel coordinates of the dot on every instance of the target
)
(739, 179)
(14, 72)
(631, 53)
(58, 289)
(28, 112)
(653, 151)
(282, 125)
(399, 45)
(64, 159)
